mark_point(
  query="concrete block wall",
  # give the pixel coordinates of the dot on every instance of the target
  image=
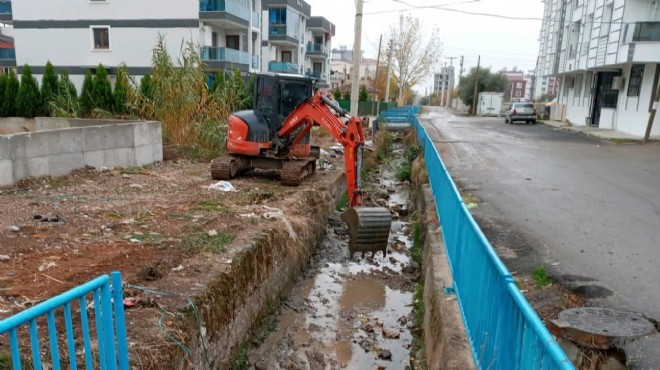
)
(59, 151)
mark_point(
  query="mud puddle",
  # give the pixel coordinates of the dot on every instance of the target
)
(348, 314)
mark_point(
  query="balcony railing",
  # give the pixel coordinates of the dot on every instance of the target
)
(277, 30)
(317, 48)
(255, 19)
(256, 62)
(5, 7)
(8, 54)
(318, 75)
(283, 67)
(228, 6)
(222, 54)
(642, 31)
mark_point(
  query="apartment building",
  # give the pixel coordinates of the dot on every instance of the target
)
(284, 34)
(341, 67)
(605, 55)
(77, 35)
(7, 49)
(318, 53)
(516, 87)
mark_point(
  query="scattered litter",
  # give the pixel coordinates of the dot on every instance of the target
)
(4, 257)
(222, 186)
(471, 205)
(178, 268)
(139, 302)
(337, 149)
(126, 176)
(133, 240)
(248, 215)
(213, 232)
(385, 355)
(47, 266)
(136, 186)
(41, 218)
(324, 152)
(276, 213)
(15, 228)
(554, 264)
(449, 299)
(390, 333)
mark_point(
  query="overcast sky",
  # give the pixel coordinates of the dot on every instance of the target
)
(500, 42)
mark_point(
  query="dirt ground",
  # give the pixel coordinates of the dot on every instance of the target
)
(160, 225)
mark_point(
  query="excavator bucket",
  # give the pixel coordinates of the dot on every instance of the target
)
(368, 229)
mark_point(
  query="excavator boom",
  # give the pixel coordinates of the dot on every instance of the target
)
(369, 227)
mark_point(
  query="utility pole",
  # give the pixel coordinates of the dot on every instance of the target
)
(380, 42)
(654, 109)
(357, 59)
(389, 72)
(450, 81)
(443, 74)
(461, 72)
(476, 84)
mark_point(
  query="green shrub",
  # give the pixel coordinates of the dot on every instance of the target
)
(219, 81)
(49, 87)
(8, 103)
(337, 94)
(347, 95)
(102, 90)
(541, 277)
(120, 95)
(65, 103)
(146, 87)
(87, 95)
(249, 92)
(28, 102)
(363, 94)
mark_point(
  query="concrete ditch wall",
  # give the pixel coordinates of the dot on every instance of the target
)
(58, 146)
(444, 333)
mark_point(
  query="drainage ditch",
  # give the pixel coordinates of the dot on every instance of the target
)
(354, 314)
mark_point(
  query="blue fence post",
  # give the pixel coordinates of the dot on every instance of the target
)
(120, 320)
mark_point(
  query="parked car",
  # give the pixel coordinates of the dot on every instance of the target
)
(520, 112)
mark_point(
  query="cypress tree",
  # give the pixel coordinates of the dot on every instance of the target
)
(147, 87)
(28, 103)
(363, 94)
(86, 94)
(11, 93)
(120, 94)
(102, 90)
(337, 94)
(49, 86)
(65, 86)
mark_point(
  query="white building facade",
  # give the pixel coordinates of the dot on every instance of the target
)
(606, 54)
(284, 35)
(77, 35)
(318, 53)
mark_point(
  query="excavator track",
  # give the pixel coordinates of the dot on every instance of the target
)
(226, 168)
(295, 171)
(368, 229)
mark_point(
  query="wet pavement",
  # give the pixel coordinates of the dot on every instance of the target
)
(348, 314)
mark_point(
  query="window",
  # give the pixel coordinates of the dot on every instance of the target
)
(636, 73)
(578, 85)
(233, 42)
(518, 85)
(101, 38)
(277, 16)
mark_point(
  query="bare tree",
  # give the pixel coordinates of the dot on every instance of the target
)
(414, 56)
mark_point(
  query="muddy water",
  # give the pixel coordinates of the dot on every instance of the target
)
(348, 314)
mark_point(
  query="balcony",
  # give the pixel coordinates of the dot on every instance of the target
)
(318, 50)
(284, 67)
(7, 54)
(256, 62)
(219, 9)
(318, 75)
(642, 31)
(279, 33)
(5, 10)
(222, 54)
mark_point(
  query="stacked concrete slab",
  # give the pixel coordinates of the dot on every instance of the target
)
(95, 143)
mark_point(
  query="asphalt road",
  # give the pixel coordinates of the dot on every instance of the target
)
(588, 209)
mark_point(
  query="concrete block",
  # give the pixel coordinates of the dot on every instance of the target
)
(43, 143)
(120, 157)
(148, 132)
(5, 146)
(6, 172)
(62, 164)
(107, 137)
(30, 167)
(14, 125)
(148, 154)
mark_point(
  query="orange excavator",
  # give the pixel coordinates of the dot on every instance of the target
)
(276, 134)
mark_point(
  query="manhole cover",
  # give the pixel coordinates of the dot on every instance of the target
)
(597, 327)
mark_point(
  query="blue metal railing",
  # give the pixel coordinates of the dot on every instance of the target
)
(5, 7)
(317, 48)
(222, 54)
(318, 75)
(283, 67)
(108, 318)
(230, 6)
(7, 53)
(503, 329)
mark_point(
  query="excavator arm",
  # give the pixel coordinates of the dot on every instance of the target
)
(368, 227)
(350, 136)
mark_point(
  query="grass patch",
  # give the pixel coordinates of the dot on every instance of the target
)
(215, 205)
(404, 173)
(383, 144)
(418, 304)
(204, 242)
(540, 276)
(342, 202)
(416, 250)
(5, 361)
(242, 362)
